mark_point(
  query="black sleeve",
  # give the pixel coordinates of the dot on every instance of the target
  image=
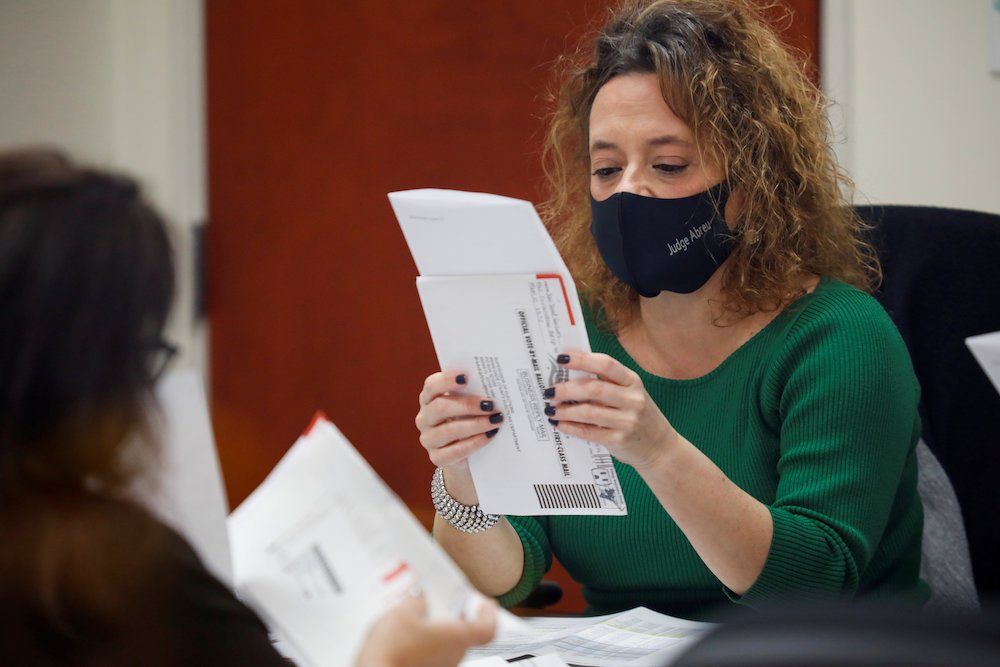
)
(87, 581)
(208, 624)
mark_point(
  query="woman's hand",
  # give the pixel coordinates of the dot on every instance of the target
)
(611, 409)
(452, 426)
(405, 637)
(729, 529)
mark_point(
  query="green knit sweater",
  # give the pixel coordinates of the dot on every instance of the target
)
(816, 417)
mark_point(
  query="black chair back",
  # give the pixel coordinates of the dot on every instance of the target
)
(941, 285)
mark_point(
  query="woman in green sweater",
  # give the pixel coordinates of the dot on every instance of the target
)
(759, 404)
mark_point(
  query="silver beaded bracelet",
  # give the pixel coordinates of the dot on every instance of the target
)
(466, 518)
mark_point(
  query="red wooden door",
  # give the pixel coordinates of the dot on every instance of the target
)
(316, 110)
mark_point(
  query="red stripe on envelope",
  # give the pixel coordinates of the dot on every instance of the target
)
(316, 417)
(556, 276)
(396, 571)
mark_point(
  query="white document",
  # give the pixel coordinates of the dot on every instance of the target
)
(986, 349)
(501, 305)
(187, 490)
(323, 547)
(639, 637)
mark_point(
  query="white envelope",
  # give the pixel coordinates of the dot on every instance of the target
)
(455, 233)
(501, 305)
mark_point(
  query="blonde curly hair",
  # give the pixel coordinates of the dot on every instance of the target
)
(753, 111)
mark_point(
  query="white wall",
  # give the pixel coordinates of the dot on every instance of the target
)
(117, 83)
(918, 105)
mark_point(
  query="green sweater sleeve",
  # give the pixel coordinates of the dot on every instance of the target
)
(537, 558)
(844, 396)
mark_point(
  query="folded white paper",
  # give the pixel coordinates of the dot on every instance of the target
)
(455, 233)
(501, 305)
(986, 349)
(323, 548)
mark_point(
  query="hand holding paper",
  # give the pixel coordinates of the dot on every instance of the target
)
(405, 637)
(323, 549)
(501, 306)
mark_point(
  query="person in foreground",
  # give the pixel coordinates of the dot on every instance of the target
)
(87, 576)
(760, 405)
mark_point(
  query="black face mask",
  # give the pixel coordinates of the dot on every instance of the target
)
(654, 244)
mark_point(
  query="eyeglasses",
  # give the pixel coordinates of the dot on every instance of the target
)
(159, 358)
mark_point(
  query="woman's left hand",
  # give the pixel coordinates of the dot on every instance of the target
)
(611, 409)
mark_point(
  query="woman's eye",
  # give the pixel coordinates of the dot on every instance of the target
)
(606, 172)
(670, 168)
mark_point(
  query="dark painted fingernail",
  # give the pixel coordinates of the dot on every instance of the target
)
(554, 422)
(550, 411)
(461, 379)
(562, 359)
(490, 434)
(549, 392)
(497, 418)
(486, 406)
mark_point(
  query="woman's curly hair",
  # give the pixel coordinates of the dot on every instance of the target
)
(754, 112)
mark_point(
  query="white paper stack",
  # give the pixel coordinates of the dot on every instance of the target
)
(639, 637)
(501, 305)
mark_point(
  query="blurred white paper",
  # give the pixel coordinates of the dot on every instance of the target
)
(639, 637)
(986, 349)
(188, 493)
(501, 305)
(323, 547)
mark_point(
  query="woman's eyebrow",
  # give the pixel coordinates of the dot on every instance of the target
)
(600, 145)
(662, 140)
(666, 140)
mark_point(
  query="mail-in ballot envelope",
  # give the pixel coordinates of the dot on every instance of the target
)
(501, 305)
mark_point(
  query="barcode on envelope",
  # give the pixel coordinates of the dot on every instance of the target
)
(567, 496)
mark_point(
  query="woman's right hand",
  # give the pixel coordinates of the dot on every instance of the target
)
(453, 425)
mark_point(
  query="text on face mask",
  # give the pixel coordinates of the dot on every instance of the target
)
(684, 242)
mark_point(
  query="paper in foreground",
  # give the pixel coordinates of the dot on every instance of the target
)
(323, 548)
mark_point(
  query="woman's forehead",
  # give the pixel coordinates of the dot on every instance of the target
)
(634, 102)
